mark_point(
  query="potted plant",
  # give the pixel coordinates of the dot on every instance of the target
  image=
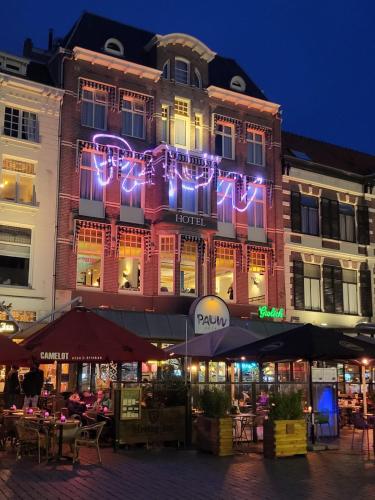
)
(214, 427)
(285, 430)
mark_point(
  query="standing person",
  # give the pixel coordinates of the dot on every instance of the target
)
(32, 386)
(12, 386)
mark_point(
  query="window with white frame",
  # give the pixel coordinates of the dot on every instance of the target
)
(92, 175)
(165, 123)
(255, 147)
(197, 79)
(17, 181)
(132, 185)
(311, 282)
(114, 46)
(198, 132)
(21, 124)
(224, 273)
(347, 222)
(134, 118)
(15, 250)
(130, 262)
(257, 277)
(166, 264)
(166, 70)
(188, 268)
(94, 108)
(350, 292)
(181, 122)
(89, 257)
(224, 141)
(225, 192)
(255, 210)
(189, 191)
(182, 71)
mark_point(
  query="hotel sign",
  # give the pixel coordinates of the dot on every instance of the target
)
(190, 220)
(209, 313)
(8, 327)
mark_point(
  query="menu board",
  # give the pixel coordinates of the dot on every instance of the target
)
(131, 403)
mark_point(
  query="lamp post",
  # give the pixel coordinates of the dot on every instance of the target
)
(364, 363)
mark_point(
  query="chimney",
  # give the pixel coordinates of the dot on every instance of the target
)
(27, 47)
(50, 39)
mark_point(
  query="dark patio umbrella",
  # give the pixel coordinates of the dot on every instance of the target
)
(12, 353)
(81, 335)
(211, 345)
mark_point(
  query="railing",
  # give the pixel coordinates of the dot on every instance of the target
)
(259, 298)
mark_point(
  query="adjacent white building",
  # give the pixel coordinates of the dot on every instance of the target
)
(29, 160)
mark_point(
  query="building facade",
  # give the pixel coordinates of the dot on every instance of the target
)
(328, 211)
(29, 155)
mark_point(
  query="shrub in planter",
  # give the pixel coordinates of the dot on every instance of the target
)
(285, 430)
(214, 428)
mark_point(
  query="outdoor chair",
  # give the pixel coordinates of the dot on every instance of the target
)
(9, 431)
(359, 423)
(321, 419)
(88, 437)
(29, 438)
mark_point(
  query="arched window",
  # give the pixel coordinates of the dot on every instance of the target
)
(182, 71)
(114, 46)
(238, 83)
(166, 70)
(197, 79)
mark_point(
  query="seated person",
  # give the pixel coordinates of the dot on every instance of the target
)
(88, 397)
(75, 405)
(103, 400)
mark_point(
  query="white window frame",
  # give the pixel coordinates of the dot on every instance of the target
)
(17, 176)
(116, 52)
(197, 74)
(224, 134)
(132, 177)
(133, 111)
(93, 171)
(198, 128)
(172, 292)
(19, 126)
(165, 121)
(220, 195)
(95, 102)
(185, 119)
(346, 286)
(307, 281)
(87, 287)
(31, 256)
(166, 69)
(141, 260)
(255, 143)
(196, 271)
(253, 207)
(187, 62)
(234, 285)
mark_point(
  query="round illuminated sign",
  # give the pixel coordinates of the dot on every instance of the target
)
(7, 326)
(209, 313)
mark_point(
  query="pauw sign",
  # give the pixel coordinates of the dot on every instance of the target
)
(209, 313)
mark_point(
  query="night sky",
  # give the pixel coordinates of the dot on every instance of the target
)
(316, 58)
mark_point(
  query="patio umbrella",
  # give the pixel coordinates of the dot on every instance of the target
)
(211, 345)
(12, 353)
(81, 335)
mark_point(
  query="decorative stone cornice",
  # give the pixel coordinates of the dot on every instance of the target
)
(23, 85)
(186, 41)
(243, 100)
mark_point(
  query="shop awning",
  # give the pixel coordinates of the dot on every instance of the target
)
(12, 353)
(81, 335)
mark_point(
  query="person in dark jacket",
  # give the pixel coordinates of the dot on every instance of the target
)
(76, 407)
(12, 386)
(32, 386)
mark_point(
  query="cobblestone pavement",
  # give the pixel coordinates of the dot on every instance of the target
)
(180, 474)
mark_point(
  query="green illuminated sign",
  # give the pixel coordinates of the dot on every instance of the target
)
(266, 312)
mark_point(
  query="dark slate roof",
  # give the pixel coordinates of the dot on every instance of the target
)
(39, 73)
(346, 160)
(92, 31)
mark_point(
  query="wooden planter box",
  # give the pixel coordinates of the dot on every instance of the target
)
(284, 438)
(215, 435)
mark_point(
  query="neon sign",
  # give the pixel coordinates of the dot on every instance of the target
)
(266, 312)
(8, 327)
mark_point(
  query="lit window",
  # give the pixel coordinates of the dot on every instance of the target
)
(257, 279)
(181, 71)
(350, 294)
(255, 210)
(225, 192)
(130, 262)
(166, 70)
(94, 109)
(165, 123)
(188, 268)
(166, 264)
(17, 181)
(311, 281)
(181, 123)
(15, 245)
(224, 141)
(114, 46)
(224, 273)
(134, 118)
(131, 185)
(255, 148)
(198, 132)
(197, 80)
(21, 124)
(92, 171)
(347, 222)
(189, 193)
(89, 257)
(258, 262)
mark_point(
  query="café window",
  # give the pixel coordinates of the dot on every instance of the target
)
(189, 191)
(15, 249)
(255, 147)
(181, 123)
(311, 282)
(224, 273)
(225, 192)
(130, 262)
(21, 124)
(134, 118)
(92, 172)
(347, 222)
(198, 132)
(255, 210)
(224, 141)
(165, 123)
(94, 108)
(188, 268)
(89, 257)
(166, 264)
(257, 277)
(17, 181)
(131, 185)
(349, 285)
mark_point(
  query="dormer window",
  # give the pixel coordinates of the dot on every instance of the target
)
(114, 47)
(197, 79)
(166, 70)
(182, 71)
(238, 83)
